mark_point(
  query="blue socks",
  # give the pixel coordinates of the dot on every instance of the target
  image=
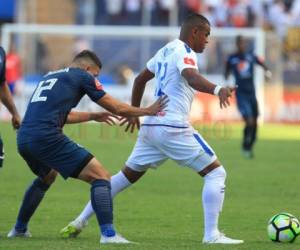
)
(102, 205)
(32, 198)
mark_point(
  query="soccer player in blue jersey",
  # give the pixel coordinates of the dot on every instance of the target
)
(7, 100)
(48, 151)
(241, 65)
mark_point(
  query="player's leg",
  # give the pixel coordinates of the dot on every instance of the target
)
(188, 148)
(101, 200)
(142, 157)
(212, 199)
(35, 192)
(255, 113)
(120, 181)
(245, 106)
(250, 118)
(31, 200)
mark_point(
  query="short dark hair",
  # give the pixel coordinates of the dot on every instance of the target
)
(90, 56)
(194, 19)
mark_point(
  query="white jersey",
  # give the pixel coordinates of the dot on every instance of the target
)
(167, 65)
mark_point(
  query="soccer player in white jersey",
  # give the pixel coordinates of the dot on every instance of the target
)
(170, 135)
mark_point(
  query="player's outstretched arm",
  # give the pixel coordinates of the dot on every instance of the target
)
(199, 83)
(8, 102)
(261, 62)
(78, 117)
(137, 93)
(119, 108)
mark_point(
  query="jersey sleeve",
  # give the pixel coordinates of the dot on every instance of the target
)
(151, 65)
(2, 66)
(186, 59)
(93, 88)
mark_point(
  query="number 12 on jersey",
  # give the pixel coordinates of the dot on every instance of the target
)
(43, 85)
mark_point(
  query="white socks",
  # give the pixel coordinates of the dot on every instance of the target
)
(212, 199)
(118, 183)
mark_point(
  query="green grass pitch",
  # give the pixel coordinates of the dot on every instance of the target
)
(163, 210)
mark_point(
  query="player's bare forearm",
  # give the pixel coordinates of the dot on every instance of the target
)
(78, 117)
(198, 82)
(119, 108)
(122, 109)
(139, 87)
(7, 100)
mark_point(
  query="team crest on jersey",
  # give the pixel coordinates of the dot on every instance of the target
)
(188, 60)
(98, 85)
(243, 67)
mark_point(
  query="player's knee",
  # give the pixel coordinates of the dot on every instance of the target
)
(217, 173)
(50, 178)
(103, 174)
(132, 175)
(97, 174)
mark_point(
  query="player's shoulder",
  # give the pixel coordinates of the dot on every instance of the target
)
(250, 55)
(81, 76)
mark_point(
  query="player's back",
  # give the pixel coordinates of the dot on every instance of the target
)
(55, 95)
(167, 65)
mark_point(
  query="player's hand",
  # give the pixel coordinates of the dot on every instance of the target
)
(104, 117)
(224, 95)
(16, 121)
(132, 123)
(268, 74)
(158, 106)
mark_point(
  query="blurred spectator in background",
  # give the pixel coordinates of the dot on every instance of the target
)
(41, 63)
(133, 10)
(114, 12)
(125, 75)
(13, 68)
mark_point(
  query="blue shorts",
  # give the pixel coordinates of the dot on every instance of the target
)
(63, 155)
(247, 105)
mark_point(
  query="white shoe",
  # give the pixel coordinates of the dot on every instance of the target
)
(117, 239)
(222, 239)
(14, 233)
(73, 229)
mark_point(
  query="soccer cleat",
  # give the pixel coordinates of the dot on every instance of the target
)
(248, 154)
(73, 229)
(117, 239)
(14, 233)
(222, 239)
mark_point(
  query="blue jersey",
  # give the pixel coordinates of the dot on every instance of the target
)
(54, 97)
(2, 65)
(242, 68)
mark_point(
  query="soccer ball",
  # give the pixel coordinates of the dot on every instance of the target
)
(283, 227)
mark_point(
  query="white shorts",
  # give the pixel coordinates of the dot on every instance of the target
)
(156, 144)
